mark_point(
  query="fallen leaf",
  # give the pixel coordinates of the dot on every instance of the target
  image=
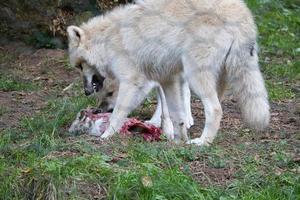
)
(147, 181)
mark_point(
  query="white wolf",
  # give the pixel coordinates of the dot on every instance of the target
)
(210, 42)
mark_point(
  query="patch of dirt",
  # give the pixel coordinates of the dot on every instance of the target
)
(16, 105)
(113, 147)
(46, 68)
(207, 175)
(285, 118)
(86, 190)
(62, 154)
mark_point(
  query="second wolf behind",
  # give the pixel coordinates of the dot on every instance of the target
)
(210, 42)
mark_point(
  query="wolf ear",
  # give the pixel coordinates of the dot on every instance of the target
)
(76, 35)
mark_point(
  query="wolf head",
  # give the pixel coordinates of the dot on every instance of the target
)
(107, 97)
(105, 87)
(79, 54)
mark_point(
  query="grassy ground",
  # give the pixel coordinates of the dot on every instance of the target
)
(40, 160)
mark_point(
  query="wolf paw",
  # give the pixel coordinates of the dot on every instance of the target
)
(154, 121)
(168, 129)
(199, 142)
(189, 122)
(107, 134)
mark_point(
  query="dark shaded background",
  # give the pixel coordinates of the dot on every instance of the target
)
(43, 23)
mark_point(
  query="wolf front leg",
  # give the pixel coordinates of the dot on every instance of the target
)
(129, 97)
(202, 80)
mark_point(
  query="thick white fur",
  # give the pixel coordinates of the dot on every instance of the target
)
(161, 40)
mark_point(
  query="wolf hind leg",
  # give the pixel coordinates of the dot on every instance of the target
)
(203, 82)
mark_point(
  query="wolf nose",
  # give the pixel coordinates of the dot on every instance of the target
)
(88, 93)
(110, 110)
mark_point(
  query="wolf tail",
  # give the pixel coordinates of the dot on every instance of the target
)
(248, 86)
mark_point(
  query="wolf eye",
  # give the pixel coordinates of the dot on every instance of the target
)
(110, 94)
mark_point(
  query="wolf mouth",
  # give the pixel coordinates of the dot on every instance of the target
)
(96, 82)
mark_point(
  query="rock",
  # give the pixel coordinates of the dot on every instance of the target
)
(43, 23)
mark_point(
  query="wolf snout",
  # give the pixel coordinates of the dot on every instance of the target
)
(88, 91)
(106, 107)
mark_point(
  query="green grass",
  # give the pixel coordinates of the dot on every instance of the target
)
(3, 110)
(278, 23)
(146, 171)
(40, 160)
(10, 83)
(279, 91)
